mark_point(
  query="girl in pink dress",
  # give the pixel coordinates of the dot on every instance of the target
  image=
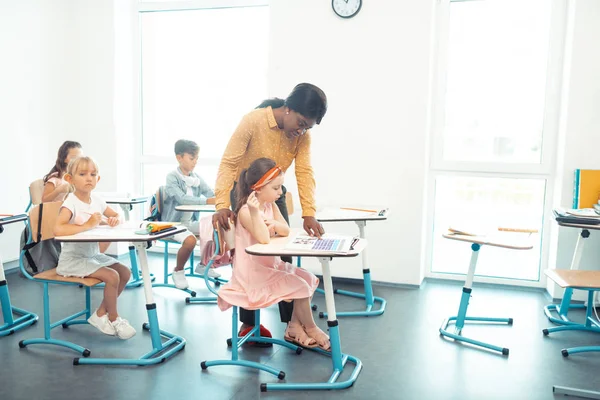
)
(261, 281)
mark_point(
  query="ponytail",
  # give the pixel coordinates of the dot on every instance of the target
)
(273, 103)
(242, 191)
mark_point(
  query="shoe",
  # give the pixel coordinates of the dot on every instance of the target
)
(264, 332)
(179, 280)
(102, 324)
(123, 329)
(212, 273)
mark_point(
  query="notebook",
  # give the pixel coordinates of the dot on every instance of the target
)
(333, 243)
(586, 188)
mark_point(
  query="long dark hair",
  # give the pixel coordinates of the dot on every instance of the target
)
(249, 177)
(60, 167)
(306, 99)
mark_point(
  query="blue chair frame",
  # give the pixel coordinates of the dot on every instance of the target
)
(25, 319)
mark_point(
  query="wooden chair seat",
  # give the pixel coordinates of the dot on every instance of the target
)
(51, 275)
(575, 278)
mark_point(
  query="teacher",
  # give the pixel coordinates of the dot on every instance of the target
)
(280, 130)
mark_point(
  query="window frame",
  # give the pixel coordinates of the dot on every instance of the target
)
(546, 169)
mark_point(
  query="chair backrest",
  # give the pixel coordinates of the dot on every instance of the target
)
(36, 190)
(49, 213)
(156, 204)
(225, 239)
(289, 202)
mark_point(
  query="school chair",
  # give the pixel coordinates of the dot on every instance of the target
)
(36, 190)
(581, 280)
(156, 209)
(42, 218)
(225, 242)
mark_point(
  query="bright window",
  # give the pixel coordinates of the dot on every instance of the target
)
(494, 129)
(202, 70)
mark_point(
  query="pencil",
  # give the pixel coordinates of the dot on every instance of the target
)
(519, 230)
(357, 209)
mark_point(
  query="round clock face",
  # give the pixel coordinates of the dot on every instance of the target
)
(346, 8)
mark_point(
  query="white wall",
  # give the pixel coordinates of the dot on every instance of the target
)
(371, 146)
(35, 100)
(580, 124)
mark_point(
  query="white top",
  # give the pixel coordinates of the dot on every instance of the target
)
(277, 247)
(196, 207)
(82, 259)
(332, 214)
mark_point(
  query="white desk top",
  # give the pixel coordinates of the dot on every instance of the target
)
(126, 200)
(196, 207)
(277, 248)
(5, 220)
(333, 214)
(117, 234)
(505, 240)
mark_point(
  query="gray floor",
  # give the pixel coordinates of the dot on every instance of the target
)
(403, 355)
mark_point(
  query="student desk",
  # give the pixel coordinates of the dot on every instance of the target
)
(502, 240)
(339, 215)
(126, 203)
(565, 304)
(196, 208)
(26, 318)
(277, 248)
(174, 342)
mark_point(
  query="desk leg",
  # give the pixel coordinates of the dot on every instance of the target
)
(12, 325)
(338, 359)
(565, 303)
(368, 295)
(567, 391)
(460, 319)
(126, 208)
(160, 351)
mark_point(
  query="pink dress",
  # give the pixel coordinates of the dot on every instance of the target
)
(260, 281)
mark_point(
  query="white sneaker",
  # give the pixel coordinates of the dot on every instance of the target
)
(102, 323)
(123, 329)
(211, 271)
(179, 280)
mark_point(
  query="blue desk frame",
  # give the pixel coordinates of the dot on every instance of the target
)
(370, 299)
(26, 318)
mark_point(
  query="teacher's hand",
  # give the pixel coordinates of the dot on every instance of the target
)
(222, 217)
(313, 227)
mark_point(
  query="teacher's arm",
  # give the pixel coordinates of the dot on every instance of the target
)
(234, 152)
(306, 187)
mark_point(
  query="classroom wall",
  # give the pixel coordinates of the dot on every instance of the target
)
(580, 125)
(371, 146)
(35, 100)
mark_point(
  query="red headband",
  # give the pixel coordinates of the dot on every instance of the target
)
(268, 177)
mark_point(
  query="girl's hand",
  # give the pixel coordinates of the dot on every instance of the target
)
(252, 202)
(94, 220)
(271, 224)
(64, 188)
(113, 221)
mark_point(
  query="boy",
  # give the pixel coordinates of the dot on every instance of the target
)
(185, 187)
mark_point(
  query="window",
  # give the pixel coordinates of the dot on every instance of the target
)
(202, 70)
(494, 129)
